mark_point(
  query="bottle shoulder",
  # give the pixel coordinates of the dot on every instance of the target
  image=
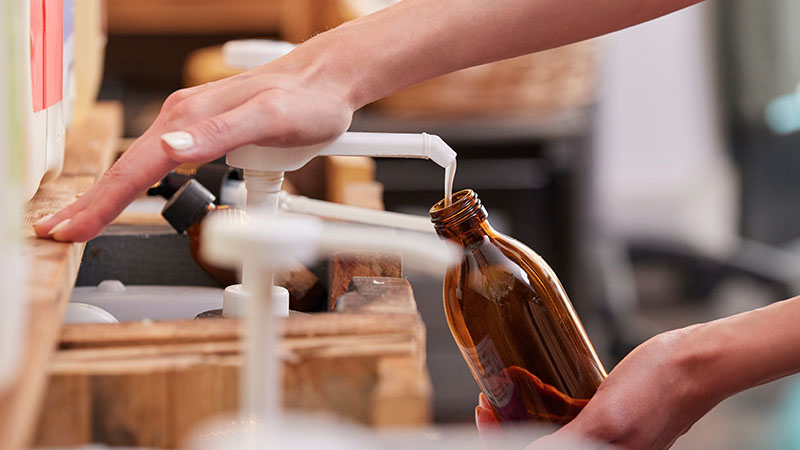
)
(500, 247)
(500, 260)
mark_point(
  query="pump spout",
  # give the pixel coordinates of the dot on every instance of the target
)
(381, 145)
(392, 145)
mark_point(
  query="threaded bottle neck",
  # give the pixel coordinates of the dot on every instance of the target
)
(461, 219)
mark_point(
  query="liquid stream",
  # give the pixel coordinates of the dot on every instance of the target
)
(449, 176)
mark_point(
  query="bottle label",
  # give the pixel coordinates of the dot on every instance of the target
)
(498, 385)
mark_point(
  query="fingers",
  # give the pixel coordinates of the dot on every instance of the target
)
(134, 172)
(271, 118)
(485, 418)
(199, 125)
(142, 165)
(482, 401)
(257, 120)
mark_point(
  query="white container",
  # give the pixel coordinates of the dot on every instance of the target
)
(44, 111)
(12, 145)
(130, 303)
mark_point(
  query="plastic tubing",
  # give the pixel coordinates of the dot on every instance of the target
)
(263, 190)
(261, 377)
(304, 205)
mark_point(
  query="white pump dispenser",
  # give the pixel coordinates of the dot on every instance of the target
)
(264, 168)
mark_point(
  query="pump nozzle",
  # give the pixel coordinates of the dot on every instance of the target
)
(382, 145)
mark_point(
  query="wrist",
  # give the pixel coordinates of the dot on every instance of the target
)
(333, 61)
(699, 358)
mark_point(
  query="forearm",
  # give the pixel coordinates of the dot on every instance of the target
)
(415, 40)
(746, 350)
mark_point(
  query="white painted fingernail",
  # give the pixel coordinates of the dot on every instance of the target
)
(60, 226)
(42, 219)
(178, 140)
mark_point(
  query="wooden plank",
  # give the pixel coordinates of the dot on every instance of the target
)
(346, 265)
(342, 171)
(193, 16)
(52, 269)
(197, 331)
(132, 413)
(377, 295)
(302, 19)
(159, 406)
(65, 427)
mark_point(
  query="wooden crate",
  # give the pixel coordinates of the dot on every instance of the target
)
(150, 384)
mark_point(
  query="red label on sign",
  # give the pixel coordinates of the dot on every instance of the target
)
(37, 54)
(53, 51)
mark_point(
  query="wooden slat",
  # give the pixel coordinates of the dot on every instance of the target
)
(193, 16)
(346, 265)
(377, 295)
(193, 331)
(52, 269)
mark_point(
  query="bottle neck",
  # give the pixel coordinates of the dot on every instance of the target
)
(194, 228)
(463, 220)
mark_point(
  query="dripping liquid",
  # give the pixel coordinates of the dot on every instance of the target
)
(449, 177)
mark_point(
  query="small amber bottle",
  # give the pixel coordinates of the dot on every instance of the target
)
(186, 210)
(513, 322)
(192, 203)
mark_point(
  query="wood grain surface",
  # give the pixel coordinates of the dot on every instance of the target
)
(52, 267)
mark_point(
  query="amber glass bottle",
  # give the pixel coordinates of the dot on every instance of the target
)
(186, 210)
(513, 322)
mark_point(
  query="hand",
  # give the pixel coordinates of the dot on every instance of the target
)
(286, 103)
(650, 399)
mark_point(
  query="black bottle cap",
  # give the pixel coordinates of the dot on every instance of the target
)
(213, 177)
(187, 206)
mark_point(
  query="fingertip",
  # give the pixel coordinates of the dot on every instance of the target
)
(82, 227)
(43, 225)
(482, 401)
(485, 419)
(41, 231)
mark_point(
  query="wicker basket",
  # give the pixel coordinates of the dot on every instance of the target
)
(532, 85)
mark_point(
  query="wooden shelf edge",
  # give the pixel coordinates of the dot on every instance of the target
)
(53, 267)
